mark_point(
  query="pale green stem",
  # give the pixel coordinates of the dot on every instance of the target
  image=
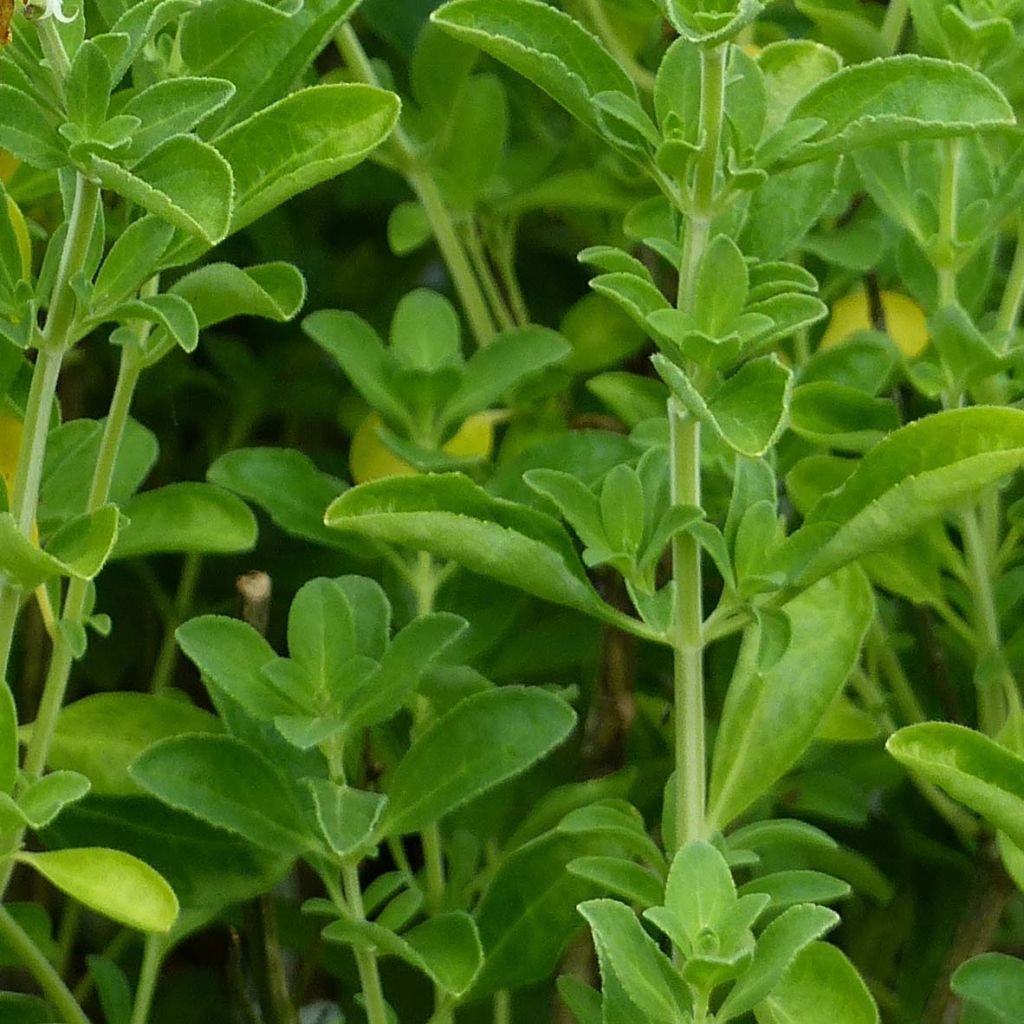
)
(49, 981)
(503, 1007)
(59, 671)
(994, 696)
(685, 482)
(163, 671)
(366, 959)
(1013, 296)
(43, 391)
(400, 146)
(948, 193)
(500, 309)
(893, 24)
(149, 973)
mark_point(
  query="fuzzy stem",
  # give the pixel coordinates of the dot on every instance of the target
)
(1013, 295)
(152, 957)
(948, 196)
(366, 959)
(685, 483)
(407, 163)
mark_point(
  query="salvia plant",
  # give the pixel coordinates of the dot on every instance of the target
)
(488, 646)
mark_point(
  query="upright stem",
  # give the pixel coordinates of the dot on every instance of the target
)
(946, 263)
(688, 642)
(893, 24)
(995, 696)
(685, 479)
(1013, 295)
(43, 391)
(366, 959)
(149, 973)
(16, 939)
(422, 183)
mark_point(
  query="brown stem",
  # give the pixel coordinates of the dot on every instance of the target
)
(991, 890)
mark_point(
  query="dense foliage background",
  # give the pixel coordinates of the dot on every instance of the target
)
(894, 258)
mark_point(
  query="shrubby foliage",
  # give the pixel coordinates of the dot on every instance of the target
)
(640, 652)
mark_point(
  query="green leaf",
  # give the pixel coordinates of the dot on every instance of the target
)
(308, 137)
(722, 286)
(227, 784)
(494, 371)
(27, 133)
(184, 181)
(101, 735)
(789, 888)
(131, 260)
(638, 963)
(189, 517)
(71, 455)
(78, 550)
(347, 816)
(112, 883)
(287, 485)
(623, 878)
(777, 947)
(425, 332)
(528, 912)
(173, 106)
(841, 417)
(88, 88)
(112, 988)
(747, 411)
(898, 98)
(450, 516)
(821, 984)
(45, 798)
(222, 291)
(911, 477)
(361, 354)
(207, 867)
(262, 49)
(172, 315)
(484, 740)
(700, 888)
(770, 718)
(542, 44)
(972, 768)
(231, 655)
(19, 1009)
(446, 948)
(8, 739)
(993, 981)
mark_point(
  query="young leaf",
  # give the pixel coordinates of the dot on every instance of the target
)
(306, 138)
(747, 412)
(173, 106)
(638, 963)
(542, 44)
(347, 817)
(972, 768)
(446, 948)
(78, 550)
(700, 888)
(225, 783)
(789, 888)
(777, 947)
(114, 884)
(994, 982)
(192, 517)
(231, 654)
(27, 133)
(221, 291)
(45, 798)
(482, 741)
(821, 984)
(184, 181)
(903, 97)
(912, 476)
(770, 718)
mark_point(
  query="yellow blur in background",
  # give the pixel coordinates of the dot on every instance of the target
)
(904, 321)
(371, 459)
